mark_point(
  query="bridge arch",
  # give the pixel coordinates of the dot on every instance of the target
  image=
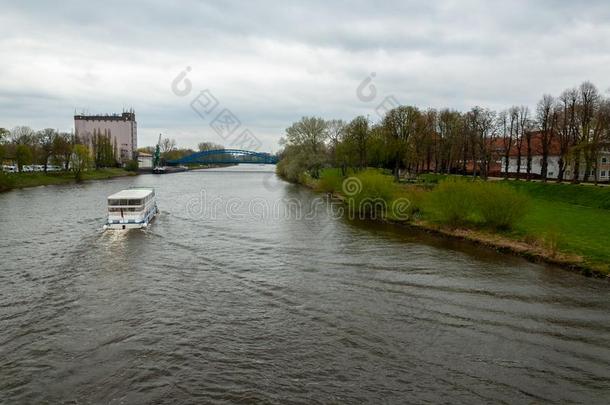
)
(225, 156)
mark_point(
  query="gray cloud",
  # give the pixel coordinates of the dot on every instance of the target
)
(272, 62)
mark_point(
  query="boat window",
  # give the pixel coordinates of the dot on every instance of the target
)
(122, 202)
(124, 210)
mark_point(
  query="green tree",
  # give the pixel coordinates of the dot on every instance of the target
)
(400, 125)
(357, 133)
(80, 160)
(336, 133)
(104, 151)
(309, 136)
(23, 156)
(377, 151)
(450, 132)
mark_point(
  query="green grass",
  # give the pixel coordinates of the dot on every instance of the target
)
(577, 216)
(432, 178)
(585, 195)
(22, 180)
(331, 180)
(582, 230)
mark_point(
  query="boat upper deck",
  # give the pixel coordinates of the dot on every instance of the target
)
(132, 193)
(137, 197)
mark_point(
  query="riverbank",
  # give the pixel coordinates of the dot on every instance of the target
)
(24, 180)
(532, 250)
(562, 226)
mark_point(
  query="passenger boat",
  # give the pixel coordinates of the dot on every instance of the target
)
(131, 208)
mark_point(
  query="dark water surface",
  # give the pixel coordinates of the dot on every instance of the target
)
(252, 305)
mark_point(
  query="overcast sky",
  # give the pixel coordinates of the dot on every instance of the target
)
(271, 62)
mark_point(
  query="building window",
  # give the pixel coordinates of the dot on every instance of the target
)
(604, 160)
(603, 173)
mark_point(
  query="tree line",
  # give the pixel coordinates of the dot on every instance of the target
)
(25, 146)
(48, 146)
(575, 124)
(170, 151)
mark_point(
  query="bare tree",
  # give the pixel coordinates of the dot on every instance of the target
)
(566, 129)
(45, 140)
(204, 146)
(167, 145)
(599, 135)
(523, 127)
(546, 115)
(525, 133)
(508, 123)
(487, 134)
(449, 132)
(431, 138)
(63, 145)
(589, 103)
(22, 135)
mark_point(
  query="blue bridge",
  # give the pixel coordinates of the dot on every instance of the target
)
(225, 156)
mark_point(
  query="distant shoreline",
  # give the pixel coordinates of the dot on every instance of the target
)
(16, 181)
(26, 180)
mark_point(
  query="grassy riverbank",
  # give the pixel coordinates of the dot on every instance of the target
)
(576, 216)
(23, 180)
(566, 225)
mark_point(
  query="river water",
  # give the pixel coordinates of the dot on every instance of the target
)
(240, 291)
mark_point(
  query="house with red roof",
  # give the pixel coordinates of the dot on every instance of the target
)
(554, 155)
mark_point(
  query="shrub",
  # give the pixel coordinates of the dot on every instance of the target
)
(552, 240)
(452, 202)
(330, 181)
(292, 168)
(459, 201)
(499, 205)
(369, 193)
(132, 166)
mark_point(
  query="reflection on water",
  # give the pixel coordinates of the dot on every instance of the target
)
(198, 309)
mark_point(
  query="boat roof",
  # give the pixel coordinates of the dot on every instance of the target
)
(132, 193)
